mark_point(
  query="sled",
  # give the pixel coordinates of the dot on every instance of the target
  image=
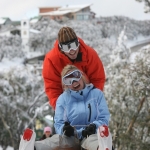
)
(27, 140)
(104, 142)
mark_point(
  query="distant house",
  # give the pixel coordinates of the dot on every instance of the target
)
(76, 12)
(4, 21)
(7, 21)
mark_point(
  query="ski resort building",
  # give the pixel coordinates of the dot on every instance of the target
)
(74, 12)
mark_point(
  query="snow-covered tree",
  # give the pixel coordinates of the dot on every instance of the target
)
(128, 94)
(10, 47)
(147, 5)
(22, 99)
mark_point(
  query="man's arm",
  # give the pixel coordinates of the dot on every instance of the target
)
(52, 81)
(95, 70)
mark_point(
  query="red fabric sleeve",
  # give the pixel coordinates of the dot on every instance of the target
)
(95, 70)
(52, 82)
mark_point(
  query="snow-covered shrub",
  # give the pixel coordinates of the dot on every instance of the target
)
(21, 100)
(10, 47)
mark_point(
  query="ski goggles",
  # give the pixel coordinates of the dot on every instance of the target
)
(66, 47)
(72, 76)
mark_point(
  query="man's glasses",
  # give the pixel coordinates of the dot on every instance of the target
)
(72, 76)
(73, 45)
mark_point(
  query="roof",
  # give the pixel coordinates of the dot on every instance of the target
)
(35, 19)
(66, 9)
(51, 7)
(2, 21)
(35, 31)
(55, 13)
(19, 28)
(73, 7)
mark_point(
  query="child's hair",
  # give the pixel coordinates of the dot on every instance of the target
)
(68, 68)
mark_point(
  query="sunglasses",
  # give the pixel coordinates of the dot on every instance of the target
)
(66, 47)
(72, 76)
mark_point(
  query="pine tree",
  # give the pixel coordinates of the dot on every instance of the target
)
(147, 5)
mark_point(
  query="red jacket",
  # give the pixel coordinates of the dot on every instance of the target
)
(87, 60)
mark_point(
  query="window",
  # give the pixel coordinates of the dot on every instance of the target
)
(24, 32)
(79, 17)
(86, 17)
(82, 17)
(24, 23)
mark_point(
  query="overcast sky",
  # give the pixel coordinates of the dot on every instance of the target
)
(18, 9)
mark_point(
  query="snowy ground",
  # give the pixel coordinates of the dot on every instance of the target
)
(8, 148)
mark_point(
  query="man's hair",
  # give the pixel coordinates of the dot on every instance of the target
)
(66, 35)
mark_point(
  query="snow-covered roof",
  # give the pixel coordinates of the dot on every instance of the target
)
(34, 20)
(55, 13)
(66, 9)
(73, 7)
(35, 31)
(2, 20)
(19, 28)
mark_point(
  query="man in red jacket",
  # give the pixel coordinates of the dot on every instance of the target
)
(70, 49)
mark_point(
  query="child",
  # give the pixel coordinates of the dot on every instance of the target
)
(47, 133)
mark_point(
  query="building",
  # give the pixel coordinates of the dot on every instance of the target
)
(48, 9)
(5, 21)
(76, 12)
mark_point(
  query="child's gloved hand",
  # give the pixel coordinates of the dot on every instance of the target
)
(89, 130)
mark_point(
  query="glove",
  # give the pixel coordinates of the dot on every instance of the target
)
(69, 130)
(103, 131)
(84, 133)
(89, 130)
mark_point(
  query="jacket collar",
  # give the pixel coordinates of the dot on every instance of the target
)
(84, 92)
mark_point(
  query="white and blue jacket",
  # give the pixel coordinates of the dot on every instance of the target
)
(81, 108)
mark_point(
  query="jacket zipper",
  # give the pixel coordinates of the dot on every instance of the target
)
(89, 106)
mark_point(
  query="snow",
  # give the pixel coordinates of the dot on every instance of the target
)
(2, 21)
(133, 56)
(6, 64)
(33, 54)
(49, 117)
(8, 148)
